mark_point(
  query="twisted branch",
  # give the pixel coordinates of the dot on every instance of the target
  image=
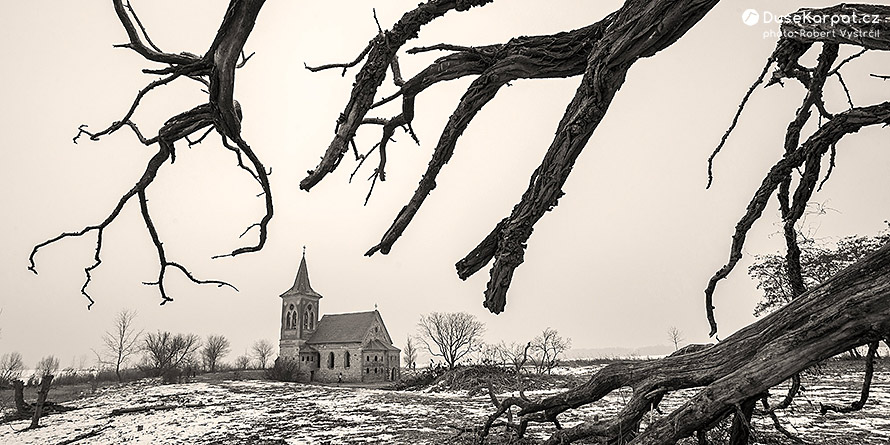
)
(216, 70)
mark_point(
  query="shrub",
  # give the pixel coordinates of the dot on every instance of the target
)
(283, 370)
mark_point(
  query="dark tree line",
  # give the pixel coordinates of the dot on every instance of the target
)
(848, 310)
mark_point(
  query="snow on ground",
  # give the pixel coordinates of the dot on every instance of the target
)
(250, 412)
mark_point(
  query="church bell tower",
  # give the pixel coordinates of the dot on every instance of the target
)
(299, 313)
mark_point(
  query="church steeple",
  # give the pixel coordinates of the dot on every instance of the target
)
(301, 283)
(299, 312)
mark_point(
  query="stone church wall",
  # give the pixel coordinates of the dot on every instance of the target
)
(326, 373)
(375, 367)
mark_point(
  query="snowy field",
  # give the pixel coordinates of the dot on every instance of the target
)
(263, 412)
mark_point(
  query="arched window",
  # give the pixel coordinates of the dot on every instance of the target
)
(331, 360)
(308, 318)
(290, 319)
(346, 360)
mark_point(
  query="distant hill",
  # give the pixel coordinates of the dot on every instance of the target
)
(619, 352)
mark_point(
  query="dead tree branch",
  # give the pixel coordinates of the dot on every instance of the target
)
(808, 155)
(602, 52)
(215, 69)
(152, 408)
(379, 58)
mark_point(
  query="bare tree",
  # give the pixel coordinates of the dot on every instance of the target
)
(546, 349)
(675, 336)
(242, 362)
(11, 367)
(450, 335)
(514, 354)
(215, 348)
(488, 354)
(846, 311)
(410, 353)
(120, 343)
(48, 365)
(262, 351)
(166, 353)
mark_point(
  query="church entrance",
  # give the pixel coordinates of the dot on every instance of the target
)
(392, 375)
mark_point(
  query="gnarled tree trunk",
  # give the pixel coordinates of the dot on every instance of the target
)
(850, 309)
(42, 393)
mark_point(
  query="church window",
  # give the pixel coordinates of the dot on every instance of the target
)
(331, 360)
(375, 358)
(289, 320)
(308, 318)
(293, 323)
(346, 360)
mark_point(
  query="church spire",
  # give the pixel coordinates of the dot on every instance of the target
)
(301, 283)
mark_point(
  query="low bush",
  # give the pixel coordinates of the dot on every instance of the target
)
(283, 370)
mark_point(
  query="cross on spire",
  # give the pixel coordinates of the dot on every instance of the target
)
(301, 283)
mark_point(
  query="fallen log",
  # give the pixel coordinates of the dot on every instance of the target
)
(149, 408)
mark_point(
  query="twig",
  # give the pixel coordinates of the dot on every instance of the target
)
(735, 120)
(345, 66)
(142, 28)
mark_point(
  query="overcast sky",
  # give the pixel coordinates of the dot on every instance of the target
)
(625, 255)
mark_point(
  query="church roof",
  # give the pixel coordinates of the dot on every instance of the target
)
(377, 345)
(301, 283)
(343, 328)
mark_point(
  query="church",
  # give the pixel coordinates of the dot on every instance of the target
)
(353, 347)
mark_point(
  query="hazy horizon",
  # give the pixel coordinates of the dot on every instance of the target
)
(624, 256)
